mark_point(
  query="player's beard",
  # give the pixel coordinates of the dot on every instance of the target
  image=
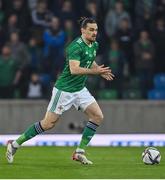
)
(92, 39)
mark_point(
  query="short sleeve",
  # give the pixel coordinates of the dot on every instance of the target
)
(74, 52)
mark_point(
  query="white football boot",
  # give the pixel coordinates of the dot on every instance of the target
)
(80, 156)
(10, 151)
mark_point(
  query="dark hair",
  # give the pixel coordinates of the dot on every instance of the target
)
(85, 20)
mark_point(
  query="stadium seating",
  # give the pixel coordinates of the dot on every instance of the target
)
(158, 93)
(159, 81)
(134, 82)
(107, 94)
(132, 94)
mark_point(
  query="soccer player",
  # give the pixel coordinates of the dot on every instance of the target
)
(70, 90)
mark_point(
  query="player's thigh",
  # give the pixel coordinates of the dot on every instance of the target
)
(84, 99)
(60, 101)
(94, 113)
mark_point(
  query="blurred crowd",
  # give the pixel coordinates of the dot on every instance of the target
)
(34, 34)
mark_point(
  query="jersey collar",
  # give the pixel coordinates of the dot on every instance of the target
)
(89, 45)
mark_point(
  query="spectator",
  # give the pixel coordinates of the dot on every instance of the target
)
(2, 22)
(32, 4)
(106, 5)
(91, 9)
(114, 58)
(144, 13)
(142, 6)
(2, 37)
(34, 87)
(144, 61)
(55, 6)
(9, 74)
(20, 53)
(2, 13)
(35, 55)
(41, 16)
(125, 37)
(20, 9)
(114, 18)
(70, 30)
(67, 11)
(18, 50)
(11, 26)
(54, 41)
(160, 10)
(159, 40)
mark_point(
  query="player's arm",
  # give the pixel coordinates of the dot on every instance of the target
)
(94, 65)
(75, 69)
(107, 75)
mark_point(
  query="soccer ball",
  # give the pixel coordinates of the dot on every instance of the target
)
(151, 156)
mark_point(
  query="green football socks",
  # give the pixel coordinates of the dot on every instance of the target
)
(87, 135)
(36, 129)
(32, 131)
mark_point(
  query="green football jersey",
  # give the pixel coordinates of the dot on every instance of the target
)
(77, 50)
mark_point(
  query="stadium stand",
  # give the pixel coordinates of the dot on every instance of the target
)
(131, 40)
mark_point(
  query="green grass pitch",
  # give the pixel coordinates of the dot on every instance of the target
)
(56, 163)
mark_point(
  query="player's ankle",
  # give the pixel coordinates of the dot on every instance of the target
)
(79, 150)
(15, 144)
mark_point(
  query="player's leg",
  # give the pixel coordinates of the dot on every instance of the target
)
(59, 103)
(90, 107)
(95, 117)
(47, 123)
(37, 128)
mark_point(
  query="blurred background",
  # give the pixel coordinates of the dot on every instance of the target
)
(34, 34)
(131, 36)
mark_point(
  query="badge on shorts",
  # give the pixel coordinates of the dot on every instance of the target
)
(60, 108)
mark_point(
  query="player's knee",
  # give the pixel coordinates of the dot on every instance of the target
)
(98, 118)
(50, 125)
(101, 117)
(47, 124)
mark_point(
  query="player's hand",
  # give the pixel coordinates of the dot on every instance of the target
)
(101, 70)
(108, 76)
